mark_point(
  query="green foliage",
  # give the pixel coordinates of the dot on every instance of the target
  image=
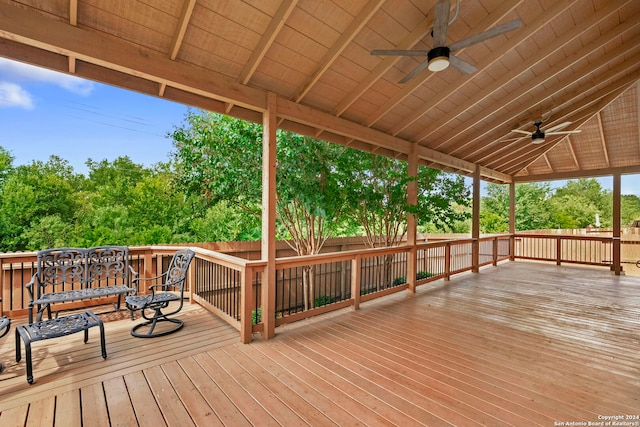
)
(399, 281)
(256, 316)
(322, 300)
(421, 275)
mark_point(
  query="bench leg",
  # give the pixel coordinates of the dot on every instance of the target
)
(103, 344)
(27, 352)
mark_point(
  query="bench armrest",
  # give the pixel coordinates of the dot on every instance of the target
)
(30, 286)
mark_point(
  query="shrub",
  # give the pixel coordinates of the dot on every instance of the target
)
(323, 300)
(399, 281)
(256, 316)
(423, 275)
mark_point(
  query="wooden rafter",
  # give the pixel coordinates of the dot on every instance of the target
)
(181, 29)
(480, 155)
(585, 116)
(546, 159)
(581, 110)
(603, 140)
(573, 151)
(475, 151)
(419, 33)
(425, 75)
(343, 41)
(276, 24)
(497, 15)
(530, 85)
(73, 20)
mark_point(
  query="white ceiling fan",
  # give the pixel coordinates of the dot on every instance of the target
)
(538, 136)
(439, 57)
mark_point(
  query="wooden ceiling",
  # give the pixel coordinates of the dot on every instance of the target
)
(571, 60)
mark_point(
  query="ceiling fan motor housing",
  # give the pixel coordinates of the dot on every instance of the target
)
(438, 58)
(537, 137)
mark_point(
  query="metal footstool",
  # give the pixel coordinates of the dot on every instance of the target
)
(54, 328)
(5, 323)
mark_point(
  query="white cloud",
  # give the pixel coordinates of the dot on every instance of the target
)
(17, 71)
(12, 95)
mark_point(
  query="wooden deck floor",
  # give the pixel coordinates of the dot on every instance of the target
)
(520, 344)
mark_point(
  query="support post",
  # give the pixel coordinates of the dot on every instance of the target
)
(617, 266)
(475, 222)
(512, 221)
(268, 247)
(412, 200)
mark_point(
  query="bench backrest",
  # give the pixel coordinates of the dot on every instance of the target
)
(63, 269)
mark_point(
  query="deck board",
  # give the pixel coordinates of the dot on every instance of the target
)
(519, 344)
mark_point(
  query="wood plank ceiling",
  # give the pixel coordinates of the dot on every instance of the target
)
(571, 60)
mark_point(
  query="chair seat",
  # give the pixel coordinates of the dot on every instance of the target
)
(140, 301)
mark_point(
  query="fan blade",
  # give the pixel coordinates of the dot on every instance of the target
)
(557, 127)
(399, 52)
(564, 132)
(486, 35)
(415, 71)
(521, 131)
(462, 65)
(441, 21)
(513, 139)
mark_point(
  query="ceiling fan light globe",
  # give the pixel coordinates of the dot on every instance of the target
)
(438, 59)
(438, 64)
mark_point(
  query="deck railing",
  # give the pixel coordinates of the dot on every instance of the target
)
(231, 287)
(587, 250)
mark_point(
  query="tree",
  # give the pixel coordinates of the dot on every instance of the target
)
(32, 192)
(581, 199)
(532, 207)
(376, 194)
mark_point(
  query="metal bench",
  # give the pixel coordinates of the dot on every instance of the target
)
(5, 324)
(71, 274)
(53, 328)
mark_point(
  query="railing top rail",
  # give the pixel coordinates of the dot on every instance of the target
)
(564, 237)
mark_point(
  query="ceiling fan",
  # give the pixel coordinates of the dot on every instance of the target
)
(439, 57)
(537, 136)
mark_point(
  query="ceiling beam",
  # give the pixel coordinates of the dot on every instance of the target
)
(269, 35)
(603, 140)
(73, 20)
(289, 110)
(572, 150)
(183, 22)
(593, 173)
(33, 29)
(340, 45)
(490, 20)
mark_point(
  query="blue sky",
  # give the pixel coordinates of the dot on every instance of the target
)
(43, 112)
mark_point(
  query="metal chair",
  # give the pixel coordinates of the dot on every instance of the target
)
(162, 294)
(5, 324)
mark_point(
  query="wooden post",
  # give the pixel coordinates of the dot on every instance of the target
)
(475, 221)
(558, 250)
(412, 200)
(247, 305)
(355, 281)
(512, 221)
(617, 266)
(447, 262)
(495, 251)
(268, 248)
